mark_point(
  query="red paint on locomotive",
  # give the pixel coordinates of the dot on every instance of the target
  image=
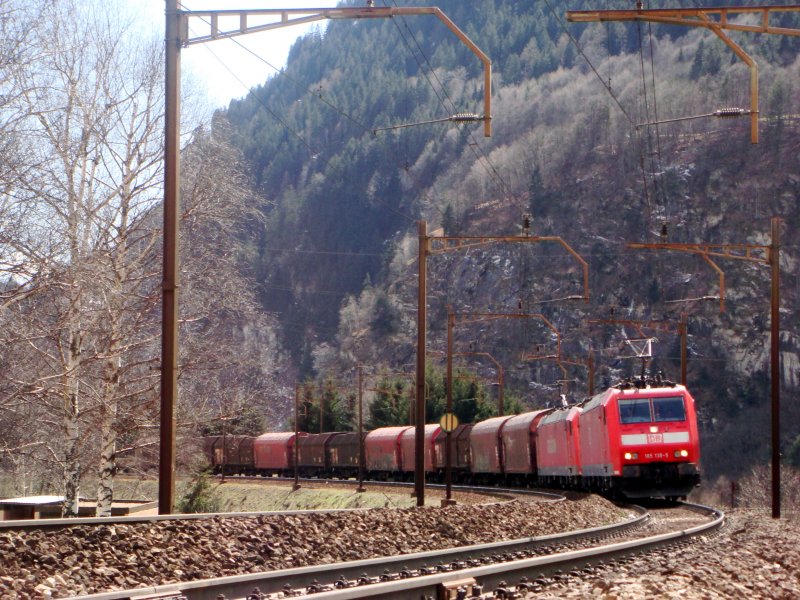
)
(558, 447)
(641, 441)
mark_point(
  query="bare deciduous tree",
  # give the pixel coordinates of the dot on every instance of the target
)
(80, 260)
(89, 107)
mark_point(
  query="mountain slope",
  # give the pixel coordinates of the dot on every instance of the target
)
(343, 201)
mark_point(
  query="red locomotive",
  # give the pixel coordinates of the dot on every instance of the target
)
(640, 441)
(558, 449)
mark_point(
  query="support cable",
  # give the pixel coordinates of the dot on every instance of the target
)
(271, 112)
(588, 62)
(647, 141)
(473, 145)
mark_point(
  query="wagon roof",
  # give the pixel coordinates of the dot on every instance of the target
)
(430, 430)
(492, 424)
(563, 414)
(278, 436)
(525, 420)
(388, 432)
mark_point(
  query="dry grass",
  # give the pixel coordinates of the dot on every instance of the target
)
(754, 491)
(235, 496)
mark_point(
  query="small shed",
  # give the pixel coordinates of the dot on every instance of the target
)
(30, 507)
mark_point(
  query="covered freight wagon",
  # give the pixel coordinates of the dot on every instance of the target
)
(459, 452)
(314, 454)
(345, 453)
(408, 447)
(382, 451)
(518, 439)
(274, 453)
(230, 454)
(486, 449)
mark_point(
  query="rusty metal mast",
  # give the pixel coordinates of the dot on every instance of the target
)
(715, 19)
(177, 37)
(767, 255)
(441, 244)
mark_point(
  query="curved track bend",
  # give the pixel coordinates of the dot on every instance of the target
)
(467, 572)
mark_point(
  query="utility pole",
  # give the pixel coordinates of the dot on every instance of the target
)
(448, 411)
(419, 405)
(360, 369)
(169, 284)
(768, 255)
(775, 369)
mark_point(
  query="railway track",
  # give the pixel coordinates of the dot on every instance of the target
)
(480, 571)
(499, 493)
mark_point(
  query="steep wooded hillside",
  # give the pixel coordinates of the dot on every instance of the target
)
(568, 147)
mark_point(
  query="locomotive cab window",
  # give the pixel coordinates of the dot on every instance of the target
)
(669, 409)
(634, 411)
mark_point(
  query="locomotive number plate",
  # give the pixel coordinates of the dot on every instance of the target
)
(655, 438)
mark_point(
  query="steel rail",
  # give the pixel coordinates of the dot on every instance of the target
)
(28, 524)
(453, 563)
(493, 577)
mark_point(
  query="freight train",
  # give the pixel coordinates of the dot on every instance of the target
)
(637, 439)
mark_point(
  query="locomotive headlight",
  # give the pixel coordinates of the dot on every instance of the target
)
(681, 453)
(631, 455)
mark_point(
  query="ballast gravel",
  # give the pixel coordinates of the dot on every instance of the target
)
(89, 559)
(753, 556)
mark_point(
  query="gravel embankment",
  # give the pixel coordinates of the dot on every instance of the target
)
(753, 556)
(82, 560)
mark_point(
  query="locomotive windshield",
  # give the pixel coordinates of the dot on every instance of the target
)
(648, 410)
(669, 409)
(635, 411)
